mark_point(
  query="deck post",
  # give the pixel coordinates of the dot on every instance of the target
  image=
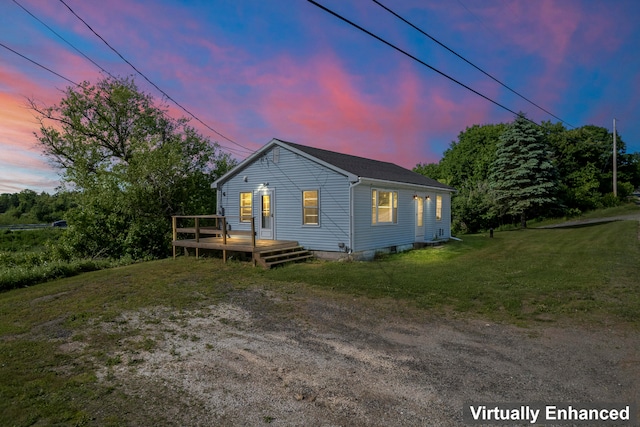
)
(253, 231)
(253, 241)
(175, 234)
(224, 239)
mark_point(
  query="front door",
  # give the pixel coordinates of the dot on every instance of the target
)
(266, 215)
(419, 210)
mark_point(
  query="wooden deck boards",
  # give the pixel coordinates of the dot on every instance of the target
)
(237, 244)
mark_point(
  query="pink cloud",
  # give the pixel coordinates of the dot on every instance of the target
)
(320, 103)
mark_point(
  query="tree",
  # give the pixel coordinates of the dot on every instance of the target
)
(522, 176)
(131, 166)
(465, 166)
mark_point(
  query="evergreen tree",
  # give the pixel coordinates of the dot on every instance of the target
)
(522, 176)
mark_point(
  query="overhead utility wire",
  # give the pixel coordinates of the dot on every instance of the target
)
(467, 61)
(63, 39)
(150, 82)
(342, 18)
(39, 65)
(63, 77)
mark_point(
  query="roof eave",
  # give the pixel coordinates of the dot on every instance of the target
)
(365, 180)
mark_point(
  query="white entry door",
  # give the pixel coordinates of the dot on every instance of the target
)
(419, 210)
(267, 218)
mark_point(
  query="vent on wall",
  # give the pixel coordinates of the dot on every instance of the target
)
(276, 154)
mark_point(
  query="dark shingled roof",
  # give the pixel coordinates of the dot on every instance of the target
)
(367, 168)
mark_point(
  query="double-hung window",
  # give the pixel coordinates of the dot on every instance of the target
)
(246, 211)
(384, 207)
(438, 207)
(310, 207)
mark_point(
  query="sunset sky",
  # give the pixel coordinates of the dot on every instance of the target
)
(254, 70)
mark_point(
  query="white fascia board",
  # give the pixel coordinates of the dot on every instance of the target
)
(239, 167)
(387, 183)
(351, 177)
(243, 164)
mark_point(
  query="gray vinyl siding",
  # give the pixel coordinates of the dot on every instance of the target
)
(438, 229)
(288, 176)
(368, 236)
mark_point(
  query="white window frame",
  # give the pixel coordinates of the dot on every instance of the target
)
(317, 207)
(243, 217)
(375, 207)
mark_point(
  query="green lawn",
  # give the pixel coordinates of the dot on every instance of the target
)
(587, 275)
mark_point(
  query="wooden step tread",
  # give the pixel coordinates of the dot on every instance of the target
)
(269, 264)
(270, 252)
(285, 254)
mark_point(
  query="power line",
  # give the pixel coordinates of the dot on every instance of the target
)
(353, 24)
(467, 61)
(71, 81)
(151, 83)
(38, 64)
(63, 39)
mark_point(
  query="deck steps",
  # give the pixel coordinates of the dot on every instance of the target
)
(272, 257)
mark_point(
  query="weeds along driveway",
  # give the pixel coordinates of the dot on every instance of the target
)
(266, 357)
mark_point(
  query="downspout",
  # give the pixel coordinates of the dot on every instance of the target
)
(352, 185)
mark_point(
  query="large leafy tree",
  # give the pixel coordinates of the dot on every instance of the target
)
(522, 175)
(131, 165)
(465, 165)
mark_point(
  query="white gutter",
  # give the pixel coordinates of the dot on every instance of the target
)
(405, 185)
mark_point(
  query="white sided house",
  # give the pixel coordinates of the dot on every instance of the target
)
(331, 203)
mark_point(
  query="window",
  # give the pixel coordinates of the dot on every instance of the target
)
(310, 208)
(419, 211)
(246, 211)
(438, 207)
(384, 207)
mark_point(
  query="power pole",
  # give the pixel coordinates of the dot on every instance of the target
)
(615, 162)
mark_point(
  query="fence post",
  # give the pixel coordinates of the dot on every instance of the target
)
(197, 225)
(175, 234)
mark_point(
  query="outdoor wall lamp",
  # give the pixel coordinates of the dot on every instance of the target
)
(415, 197)
(428, 197)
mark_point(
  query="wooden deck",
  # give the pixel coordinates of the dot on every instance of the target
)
(237, 244)
(212, 236)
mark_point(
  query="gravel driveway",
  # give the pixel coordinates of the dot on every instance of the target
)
(266, 357)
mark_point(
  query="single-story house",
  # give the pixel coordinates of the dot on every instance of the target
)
(331, 203)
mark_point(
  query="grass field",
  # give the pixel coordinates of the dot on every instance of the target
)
(587, 275)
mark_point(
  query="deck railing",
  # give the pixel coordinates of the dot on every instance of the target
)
(219, 228)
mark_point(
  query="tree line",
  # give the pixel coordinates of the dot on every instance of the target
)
(508, 173)
(29, 206)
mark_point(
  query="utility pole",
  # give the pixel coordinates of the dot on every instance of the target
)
(615, 162)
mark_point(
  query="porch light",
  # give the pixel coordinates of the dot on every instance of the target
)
(427, 197)
(415, 197)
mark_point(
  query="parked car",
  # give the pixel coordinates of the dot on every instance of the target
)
(59, 223)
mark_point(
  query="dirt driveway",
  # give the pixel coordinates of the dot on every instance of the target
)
(264, 356)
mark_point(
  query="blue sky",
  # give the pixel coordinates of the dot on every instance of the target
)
(254, 70)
